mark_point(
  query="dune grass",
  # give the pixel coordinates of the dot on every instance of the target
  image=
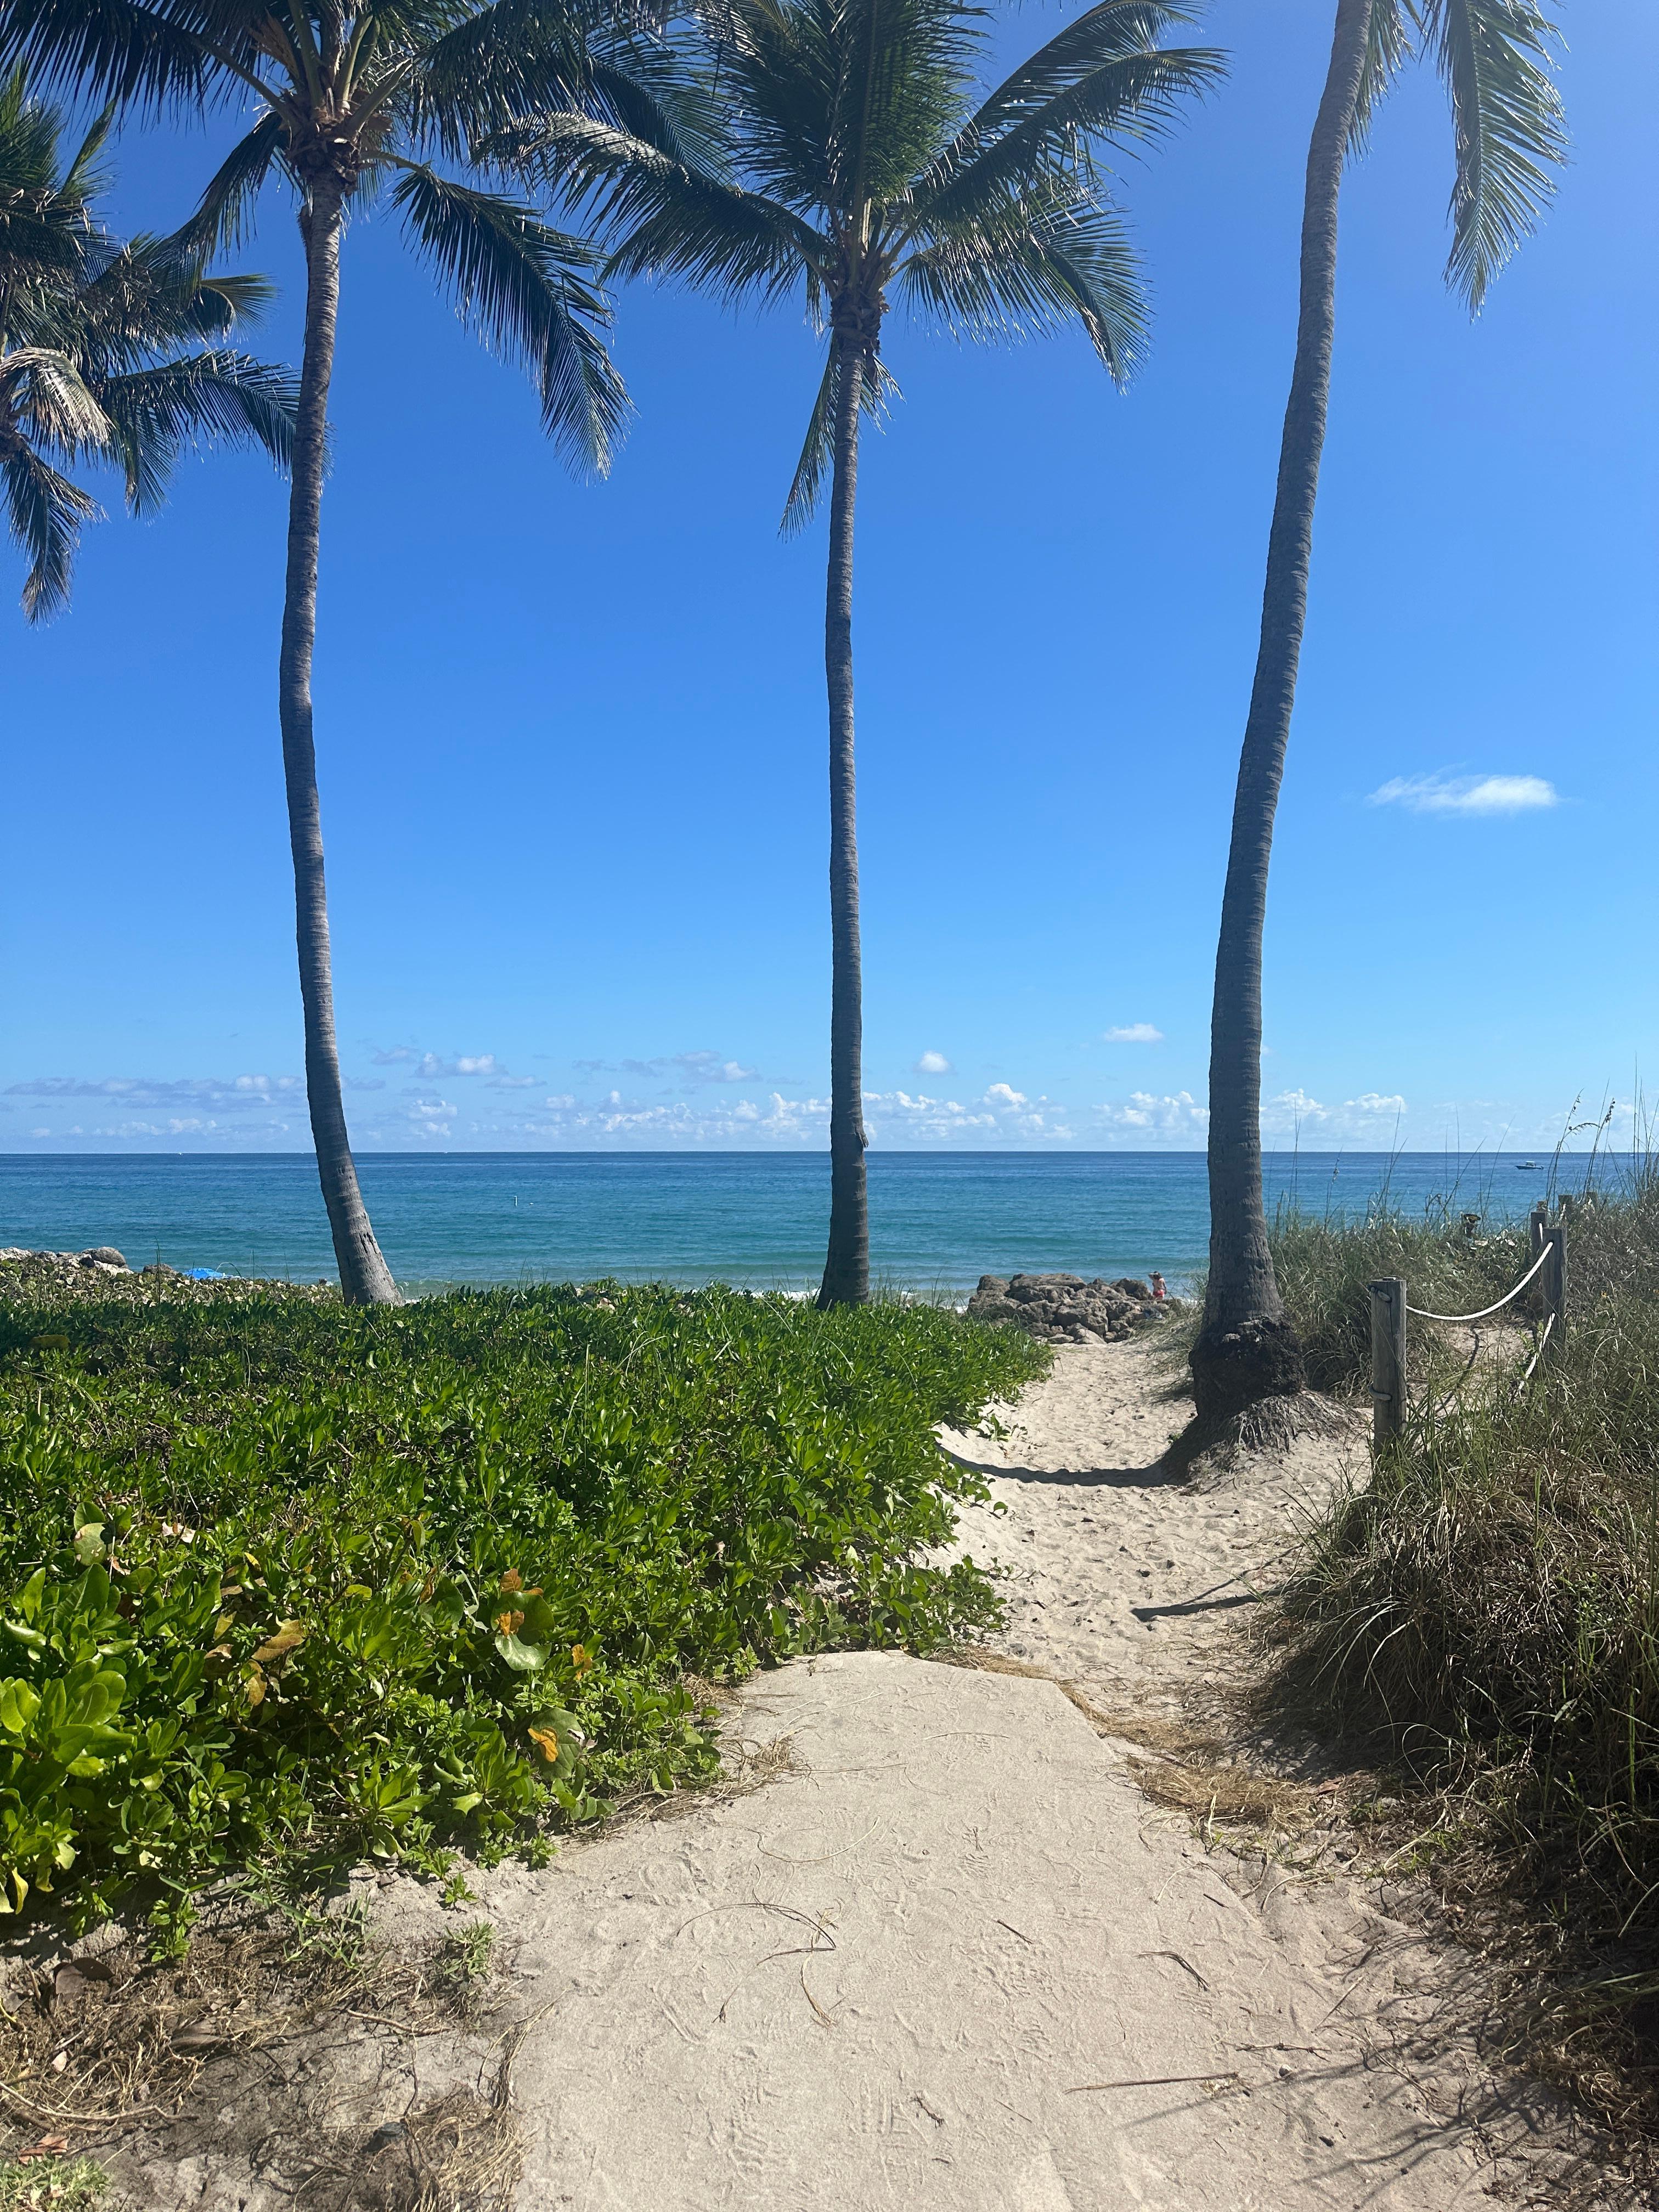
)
(280, 1576)
(1324, 1265)
(1487, 1608)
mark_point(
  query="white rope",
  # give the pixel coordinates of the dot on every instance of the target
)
(1485, 1311)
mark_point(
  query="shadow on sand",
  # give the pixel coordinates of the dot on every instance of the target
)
(1159, 1475)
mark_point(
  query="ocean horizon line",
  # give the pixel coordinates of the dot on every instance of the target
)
(817, 1153)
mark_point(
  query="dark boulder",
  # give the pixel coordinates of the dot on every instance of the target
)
(1064, 1308)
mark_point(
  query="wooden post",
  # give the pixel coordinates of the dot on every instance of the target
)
(1388, 1360)
(1538, 1223)
(1554, 1280)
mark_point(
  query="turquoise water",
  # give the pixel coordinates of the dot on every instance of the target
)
(938, 1220)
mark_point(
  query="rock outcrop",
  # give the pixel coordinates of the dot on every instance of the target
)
(37, 1277)
(1066, 1309)
(68, 1266)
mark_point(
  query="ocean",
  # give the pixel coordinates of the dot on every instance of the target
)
(938, 1220)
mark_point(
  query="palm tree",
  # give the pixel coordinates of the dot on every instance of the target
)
(352, 98)
(849, 155)
(105, 350)
(1507, 129)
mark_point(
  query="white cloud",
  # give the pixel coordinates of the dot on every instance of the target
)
(897, 1118)
(1365, 1117)
(1176, 1114)
(1134, 1033)
(206, 1090)
(615, 1122)
(432, 1065)
(904, 1118)
(1467, 794)
(1293, 1106)
(690, 1066)
(932, 1063)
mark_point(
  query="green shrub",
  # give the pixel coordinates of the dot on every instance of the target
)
(276, 1572)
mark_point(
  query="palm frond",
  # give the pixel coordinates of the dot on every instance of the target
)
(109, 50)
(1111, 31)
(1387, 47)
(1051, 258)
(215, 398)
(670, 218)
(43, 514)
(151, 296)
(510, 58)
(530, 291)
(46, 232)
(84, 180)
(224, 213)
(647, 89)
(29, 131)
(782, 71)
(1103, 76)
(40, 246)
(904, 72)
(1091, 267)
(1495, 58)
(879, 390)
(42, 391)
(1135, 96)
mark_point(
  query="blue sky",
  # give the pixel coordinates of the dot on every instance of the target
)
(571, 736)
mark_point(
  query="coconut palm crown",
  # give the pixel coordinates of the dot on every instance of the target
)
(854, 158)
(107, 349)
(352, 100)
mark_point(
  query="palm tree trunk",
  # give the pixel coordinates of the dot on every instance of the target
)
(1247, 1350)
(847, 1269)
(364, 1276)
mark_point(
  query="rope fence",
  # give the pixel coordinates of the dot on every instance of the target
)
(1390, 1309)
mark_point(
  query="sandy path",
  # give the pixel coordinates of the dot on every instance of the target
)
(890, 1980)
(1117, 1574)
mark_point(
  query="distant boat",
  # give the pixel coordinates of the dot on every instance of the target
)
(1522, 1165)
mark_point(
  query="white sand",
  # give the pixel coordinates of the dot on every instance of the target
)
(1098, 1542)
(890, 1980)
